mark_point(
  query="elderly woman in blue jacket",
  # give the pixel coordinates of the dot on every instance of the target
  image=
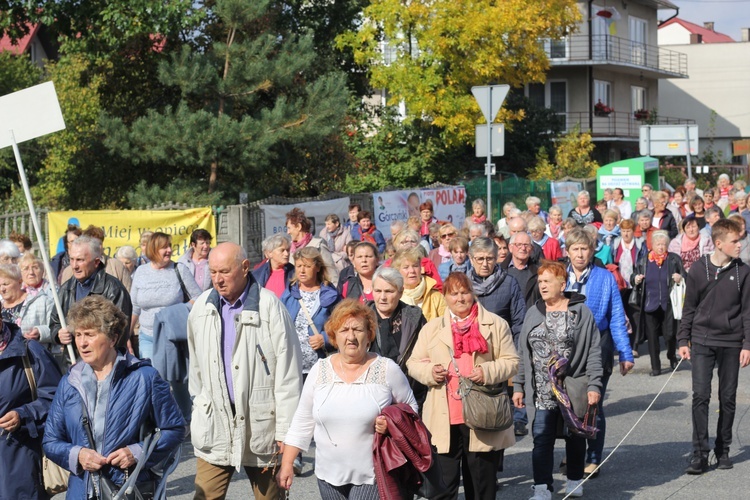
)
(310, 296)
(603, 299)
(118, 395)
(22, 413)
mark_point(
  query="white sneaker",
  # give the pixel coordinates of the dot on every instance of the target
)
(571, 485)
(541, 492)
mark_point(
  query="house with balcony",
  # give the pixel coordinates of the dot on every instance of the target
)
(605, 76)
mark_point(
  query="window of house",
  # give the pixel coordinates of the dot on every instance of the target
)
(536, 94)
(638, 39)
(558, 96)
(638, 97)
(603, 92)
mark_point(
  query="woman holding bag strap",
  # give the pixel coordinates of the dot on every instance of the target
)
(479, 344)
(558, 325)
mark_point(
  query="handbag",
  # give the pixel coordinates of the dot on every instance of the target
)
(54, 477)
(432, 482)
(677, 298)
(185, 294)
(485, 407)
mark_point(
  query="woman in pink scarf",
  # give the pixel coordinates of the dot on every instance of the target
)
(471, 341)
(690, 244)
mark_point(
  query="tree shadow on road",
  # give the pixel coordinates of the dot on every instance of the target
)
(640, 403)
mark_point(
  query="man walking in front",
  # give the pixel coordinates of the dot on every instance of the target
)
(715, 332)
(245, 378)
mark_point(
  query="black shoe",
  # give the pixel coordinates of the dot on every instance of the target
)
(673, 363)
(519, 429)
(655, 373)
(564, 467)
(724, 462)
(698, 464)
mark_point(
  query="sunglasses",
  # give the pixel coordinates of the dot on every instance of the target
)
(447, 235)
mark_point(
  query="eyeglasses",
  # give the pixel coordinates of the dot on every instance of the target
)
(522, 245)
(482, 260)
(413, 242)
(447, 235)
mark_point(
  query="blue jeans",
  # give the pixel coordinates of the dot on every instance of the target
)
(145, 346)
(544, 431)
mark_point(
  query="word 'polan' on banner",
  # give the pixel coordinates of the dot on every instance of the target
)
(449, 204)
(125, 227)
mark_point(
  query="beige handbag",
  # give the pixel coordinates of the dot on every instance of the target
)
(312, 325)
(55, 477)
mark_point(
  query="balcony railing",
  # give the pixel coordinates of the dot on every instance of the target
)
(612, 49)
(615, 124)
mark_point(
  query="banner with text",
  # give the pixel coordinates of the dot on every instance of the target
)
(316, 211)
(449, 204)
(124, 227)
(565, 194)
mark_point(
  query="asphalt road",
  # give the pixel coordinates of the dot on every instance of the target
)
(648, 465)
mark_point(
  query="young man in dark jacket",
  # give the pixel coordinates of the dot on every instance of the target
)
(715, 331)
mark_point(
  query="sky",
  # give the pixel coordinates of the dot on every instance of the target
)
(728, 15)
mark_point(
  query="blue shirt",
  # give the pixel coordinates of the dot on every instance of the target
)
(229, 335)
(84, 288)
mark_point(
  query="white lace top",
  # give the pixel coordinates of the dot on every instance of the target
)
(341, 417)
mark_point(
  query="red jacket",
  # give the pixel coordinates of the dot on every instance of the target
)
(399, 454)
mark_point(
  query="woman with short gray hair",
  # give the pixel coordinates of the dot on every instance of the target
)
(654, 276)
(584, 213)
(502, 224)
(478, 213)
(398, 323)
(9, 253)
(276, 272)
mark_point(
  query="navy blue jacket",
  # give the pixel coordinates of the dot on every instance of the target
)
(329, 297)
(262, 274)
(138, 397)
(505, 299)
(21, 452)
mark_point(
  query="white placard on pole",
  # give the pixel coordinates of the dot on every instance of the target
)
(25, 115)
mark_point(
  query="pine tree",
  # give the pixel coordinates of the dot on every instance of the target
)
(246, 97)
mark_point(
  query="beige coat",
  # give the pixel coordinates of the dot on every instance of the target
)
(500, 363)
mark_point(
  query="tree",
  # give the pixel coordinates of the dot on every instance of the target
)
(438, 49)
(243, 100)
(572, 158)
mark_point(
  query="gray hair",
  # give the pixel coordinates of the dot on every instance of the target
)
(406, 233)
(398, 225)
(648, 186)
(390, 276)
(483, 244)
(126, 252)
(273, 242)
(645, 213)
(94, 245)
(514, 212)
(660, 235)
(479, 203)
(690, 180)
(608, 190)
(724, 177)
(578, 236)
(513, 237)
(643, 200)
(508, 205)
(11, 271)
(533, 200)
(9, 249)
(479, 227)
(591, 230)
(536, 224)
(585, 194)
(555, 208)
(716, 210)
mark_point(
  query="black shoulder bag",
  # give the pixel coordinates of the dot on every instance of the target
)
(185, 294)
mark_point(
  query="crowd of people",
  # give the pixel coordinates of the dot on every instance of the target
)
(356, 341)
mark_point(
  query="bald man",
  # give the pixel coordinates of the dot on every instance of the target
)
(245, 377)
(518, 225)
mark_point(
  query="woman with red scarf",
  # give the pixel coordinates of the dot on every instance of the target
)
(368, 231)
(478, 213)
(426, 217)
(654, 276)
(298, 226)
(471, 341)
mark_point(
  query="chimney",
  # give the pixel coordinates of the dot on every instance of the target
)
(696, 38)
(745, 34)
(709, 25)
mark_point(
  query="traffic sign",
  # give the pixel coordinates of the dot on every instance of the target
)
(498, 140)
(490, 98)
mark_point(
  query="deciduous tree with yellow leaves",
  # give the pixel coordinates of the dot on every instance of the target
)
(429, 53)
(572, 158)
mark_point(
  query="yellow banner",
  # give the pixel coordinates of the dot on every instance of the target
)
(124, 227)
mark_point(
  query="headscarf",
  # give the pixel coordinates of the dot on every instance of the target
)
(580, 281)
(554, 229)
(331, 237)
(478, 220)
(298, 245)
(415, 296)
(466, 336)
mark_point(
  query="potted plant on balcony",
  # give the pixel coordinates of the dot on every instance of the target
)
(601, 109)
(641, 114)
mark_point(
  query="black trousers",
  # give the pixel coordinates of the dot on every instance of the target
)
(704, 359)
(654, 325)
(479, 469)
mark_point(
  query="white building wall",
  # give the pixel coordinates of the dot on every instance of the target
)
(674, 34)
(719, 80)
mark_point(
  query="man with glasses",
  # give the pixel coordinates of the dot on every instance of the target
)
(518, 225)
